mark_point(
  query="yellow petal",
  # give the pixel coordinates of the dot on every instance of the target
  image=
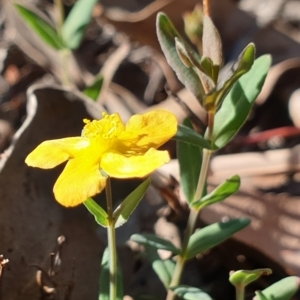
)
(149, 130)
(80, 180)
(120, 166)
(54, 152)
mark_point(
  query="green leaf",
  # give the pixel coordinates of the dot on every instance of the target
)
(242, 66)
(238, 103)
(43, 29)
(163, 268)
(212, 49)
(190, 293)
(97, 211)
(154, 241)
(190, 160)
(223, 191)
(125, 209)
(207, 67)
(94, 90)
(166, 34)
(260, 296)
(281, 290)
(105, 277)
(211, 42)
(189, 136)
(212, 235)
(76, 22)
(242, 278)
(204, 67)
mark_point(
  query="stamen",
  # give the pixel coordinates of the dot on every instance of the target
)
(105, 128)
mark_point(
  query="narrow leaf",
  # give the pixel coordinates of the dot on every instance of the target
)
(281, 290)
(242, 66)
(190, 293)
(97, 211)
(238, 103)
(211, 41)
(154, 242)
(163, 268)
(212, 235)
(189, 136)
(166, 34)
(76, 22)
(224, 190)
(93, 91)
(125, 209)
(190, 159)
(202, 67)
(105, 279)
(43, 29)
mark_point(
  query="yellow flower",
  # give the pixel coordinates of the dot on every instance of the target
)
(121, 151)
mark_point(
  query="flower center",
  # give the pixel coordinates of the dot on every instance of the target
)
(107, 128)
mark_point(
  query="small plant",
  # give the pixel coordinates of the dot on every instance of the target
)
(228, 102)
(107, 149)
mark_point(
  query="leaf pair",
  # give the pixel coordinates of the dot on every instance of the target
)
(72, 29)
(199, 242)
(123, 211)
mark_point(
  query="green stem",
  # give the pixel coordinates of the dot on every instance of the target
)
(61, 15)
(181, 258)
(240, 293)
(193, 213)
(64, 57)
(111, 244)
(203, 174)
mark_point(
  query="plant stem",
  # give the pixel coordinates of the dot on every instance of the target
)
(203, 173)
(206, 7)
(64, 57)
(64, 53)
(60, 15)
(190, 224)
(240, 293)
(193, 213)
(111, 243)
